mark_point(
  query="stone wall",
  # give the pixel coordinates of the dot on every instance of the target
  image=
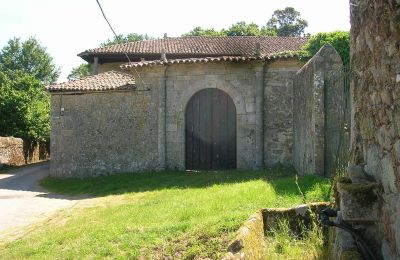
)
(375, 59)
(101, 133)
(238, 80)
(15, 151)
(96, 124)
(278, 111)
(310, 116)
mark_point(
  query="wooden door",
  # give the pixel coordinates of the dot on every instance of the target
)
(210, 131)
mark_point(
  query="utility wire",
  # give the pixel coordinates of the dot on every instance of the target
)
(116, 37)
(109, 24)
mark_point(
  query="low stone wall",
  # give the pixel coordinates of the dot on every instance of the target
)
(15, 151)
(250, 243)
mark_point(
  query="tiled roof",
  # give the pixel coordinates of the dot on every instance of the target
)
(199, 46)
(110, 80)
(207, 59)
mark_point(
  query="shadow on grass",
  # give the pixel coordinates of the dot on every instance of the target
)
(281, 178)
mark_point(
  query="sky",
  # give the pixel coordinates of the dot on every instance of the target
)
(68, 27)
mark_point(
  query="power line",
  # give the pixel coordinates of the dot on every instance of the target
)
(116, 37)
(109, 24)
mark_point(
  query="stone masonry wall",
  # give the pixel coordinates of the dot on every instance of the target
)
(309, 106)
(238, 80)
(15, 151)
(102, 133)
(375, 59)
(102, 127)
(278, 111)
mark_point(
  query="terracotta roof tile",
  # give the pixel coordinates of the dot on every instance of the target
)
(200, 46)
(207, 59)
(110, 80)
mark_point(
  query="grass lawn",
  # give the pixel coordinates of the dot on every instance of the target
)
(160, 214)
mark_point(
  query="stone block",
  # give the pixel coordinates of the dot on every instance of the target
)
(358, 201)
(250, 107)
(388, 177)
(172, 127)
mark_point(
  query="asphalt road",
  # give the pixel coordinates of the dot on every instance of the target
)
(24, 202)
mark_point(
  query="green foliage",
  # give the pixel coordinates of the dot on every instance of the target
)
(132, 37)
(28, 57)
(340, 40)
(243, 29)
(24, 105)
(82, 70)
(160, 215)
(287, 22)
(238, 29)
(199, 31)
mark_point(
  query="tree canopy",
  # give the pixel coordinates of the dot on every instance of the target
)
(28, 57)
(287, 22)
(340, 40)
(248, 29)
(82, 70)
(25, 67)
(132, 37)
(199, 31)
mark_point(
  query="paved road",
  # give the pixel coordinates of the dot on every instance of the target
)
(24, 202)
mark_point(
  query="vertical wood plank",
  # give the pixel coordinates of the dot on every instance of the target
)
(196, 132)
(189, 135)
(210, 131)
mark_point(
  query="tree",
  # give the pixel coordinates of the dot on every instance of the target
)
(287, 22)
(29, 57)
(340, 40)
(24, 105)
(237, 29)
(199, 31)
(243, 29)
(82, 70)
(132, 37)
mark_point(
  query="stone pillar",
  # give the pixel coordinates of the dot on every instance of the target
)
(259, 119)
(95, 67)
(162, 95)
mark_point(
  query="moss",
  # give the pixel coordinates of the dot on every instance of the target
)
(350, 255)
(343, 179)
(366, 193)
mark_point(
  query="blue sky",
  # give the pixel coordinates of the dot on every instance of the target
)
(67, 27)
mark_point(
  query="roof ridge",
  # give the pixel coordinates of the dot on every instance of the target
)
(195, 46)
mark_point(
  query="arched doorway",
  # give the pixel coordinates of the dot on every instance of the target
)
(210, 131)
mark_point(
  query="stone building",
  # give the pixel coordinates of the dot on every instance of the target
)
(375, 59)
(180, 103)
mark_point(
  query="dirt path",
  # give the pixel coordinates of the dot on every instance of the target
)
(24, 202)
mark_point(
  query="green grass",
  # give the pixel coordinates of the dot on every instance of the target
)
(160, 214)
(282, 243)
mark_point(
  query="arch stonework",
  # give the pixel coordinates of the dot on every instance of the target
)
(176, 139)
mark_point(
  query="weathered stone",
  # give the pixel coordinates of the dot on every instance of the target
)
(357, 174)
(249, 242)
(375, 24)
(316, 105)
(15, 151)
(384, 137)
(388, 177)
(358, 201)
